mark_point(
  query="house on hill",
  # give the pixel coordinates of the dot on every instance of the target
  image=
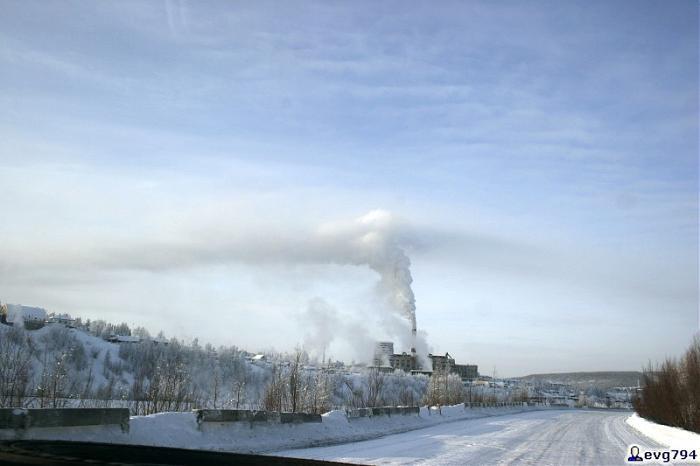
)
(63, 319)
(30, 317)
(259, 359)
(123, 339)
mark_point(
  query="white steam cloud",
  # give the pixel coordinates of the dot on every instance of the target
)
(324, 324)
(372, 240)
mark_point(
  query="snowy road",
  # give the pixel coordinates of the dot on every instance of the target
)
(540, 437)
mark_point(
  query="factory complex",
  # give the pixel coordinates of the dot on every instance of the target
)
(386, 360)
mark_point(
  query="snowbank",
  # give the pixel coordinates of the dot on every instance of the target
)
(181, 430)
(673, 437)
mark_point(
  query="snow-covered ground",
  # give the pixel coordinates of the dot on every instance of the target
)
(181, 430)
(456, 436)
(553, 437)
(667, 436)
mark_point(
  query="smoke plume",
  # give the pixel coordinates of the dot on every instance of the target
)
(323, 324)
(372, 240)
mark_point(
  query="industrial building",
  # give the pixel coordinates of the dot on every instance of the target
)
(386, 360)
(447, 363)
(404, 361)
(442, 363)
(466, 371)
(383, 350)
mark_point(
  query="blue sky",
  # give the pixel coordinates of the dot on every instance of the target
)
(540, 161)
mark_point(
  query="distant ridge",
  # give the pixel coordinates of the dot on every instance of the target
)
(605, 379)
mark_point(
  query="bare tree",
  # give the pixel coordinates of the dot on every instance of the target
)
(319, 393)
(16, 352)
(275, 392)
(671, 392)
(239, 387)
(54, 386)
(375, 383)
(295, 381)
(356, 395)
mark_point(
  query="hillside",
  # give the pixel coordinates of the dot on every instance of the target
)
(601, 380)
(59, 366)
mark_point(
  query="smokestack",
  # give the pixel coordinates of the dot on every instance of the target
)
(414, 333)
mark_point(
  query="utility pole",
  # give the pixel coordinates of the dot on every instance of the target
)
(494, 384)
(447, 393)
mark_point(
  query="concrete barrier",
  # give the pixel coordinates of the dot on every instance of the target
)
(298, 418)
(382, 411)
(15, 418)
(244, 415)
(500, 404)
(407, 410)
(358, 412)
(231, 415)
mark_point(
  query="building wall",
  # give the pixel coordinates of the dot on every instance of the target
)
(404, 362)
(466, 371)
(442, 363)
(447, 363)
(31, 317)
(408, 362)
(382, 353)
